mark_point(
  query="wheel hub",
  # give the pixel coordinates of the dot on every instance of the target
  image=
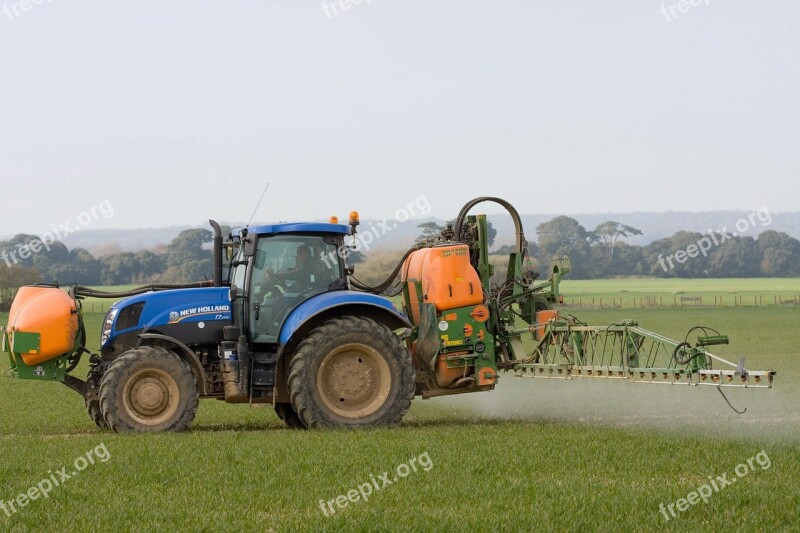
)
(151, 397)
(354, 380)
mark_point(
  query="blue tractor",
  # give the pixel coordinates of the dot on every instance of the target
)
(285, 323)
(283, 328)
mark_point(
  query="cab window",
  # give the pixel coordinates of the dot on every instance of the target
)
(288, 270)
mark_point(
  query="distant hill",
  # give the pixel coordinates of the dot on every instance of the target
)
(401, 235)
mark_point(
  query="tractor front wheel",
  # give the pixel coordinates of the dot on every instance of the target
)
(148, 389)
(91, 399)
(351, 372)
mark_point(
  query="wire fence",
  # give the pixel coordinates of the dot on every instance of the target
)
(673, 301)
(96, 307)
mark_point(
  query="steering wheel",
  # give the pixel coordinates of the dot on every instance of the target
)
(270, 284)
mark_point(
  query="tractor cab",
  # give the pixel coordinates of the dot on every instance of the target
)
(279, 267)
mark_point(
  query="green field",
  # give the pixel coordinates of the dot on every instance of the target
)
(630, 292)
(534, 454)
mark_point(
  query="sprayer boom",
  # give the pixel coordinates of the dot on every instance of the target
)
(567, 348)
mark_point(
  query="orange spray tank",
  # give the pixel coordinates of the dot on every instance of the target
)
(441, 282)
(50, 312)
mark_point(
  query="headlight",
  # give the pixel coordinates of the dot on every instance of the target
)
(108, 322)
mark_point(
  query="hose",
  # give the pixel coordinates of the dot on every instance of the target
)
(384, 285)
(521, 243)
(89, 292)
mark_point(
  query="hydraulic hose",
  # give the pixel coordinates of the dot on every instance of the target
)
(386, 283)
(80, 290)
(521, 243)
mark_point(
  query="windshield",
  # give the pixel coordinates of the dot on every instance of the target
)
(288, 270)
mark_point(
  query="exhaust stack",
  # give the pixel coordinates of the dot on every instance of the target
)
(217, 253)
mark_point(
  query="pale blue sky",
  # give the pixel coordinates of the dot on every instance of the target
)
(180, 111)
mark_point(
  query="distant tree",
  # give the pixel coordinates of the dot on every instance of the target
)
(492, 234)
(507, 249)
(565, 236)
(627, 261)
(11, 279)
(53, 262)
(561, 232)
(609, 232)
(429, 229)
(738, 257)
(780, 254)
(150, 265)
(105, 249)
(188, 259)
(127, 268)
(82, 268)
(118, 269)
(533, 249)
(669, 257)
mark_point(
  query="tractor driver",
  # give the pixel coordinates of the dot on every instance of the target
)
(305, 274)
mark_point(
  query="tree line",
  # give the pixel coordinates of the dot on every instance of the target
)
(187, 258)
(602, 252)
(598, 253)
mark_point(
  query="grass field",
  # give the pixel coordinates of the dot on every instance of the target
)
(534, 454)
(668, 292)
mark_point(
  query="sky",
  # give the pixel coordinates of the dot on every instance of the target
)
(170, 113)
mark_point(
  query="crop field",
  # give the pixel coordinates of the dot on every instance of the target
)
(668, 292)
(532, 455)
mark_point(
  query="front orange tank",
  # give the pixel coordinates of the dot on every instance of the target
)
(448, 279)
(52, 314)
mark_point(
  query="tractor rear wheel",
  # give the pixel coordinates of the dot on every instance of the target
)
(148, 389)
(351, 372)
(286, 412)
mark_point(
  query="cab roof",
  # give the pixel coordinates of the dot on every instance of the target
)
(296, 227)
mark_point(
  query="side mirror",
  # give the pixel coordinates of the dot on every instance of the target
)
(249, 243)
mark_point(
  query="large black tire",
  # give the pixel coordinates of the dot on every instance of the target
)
(351, 372)
(148, 389)
(286, 412)
(92, 399)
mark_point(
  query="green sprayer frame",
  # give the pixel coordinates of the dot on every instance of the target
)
(624, 350)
